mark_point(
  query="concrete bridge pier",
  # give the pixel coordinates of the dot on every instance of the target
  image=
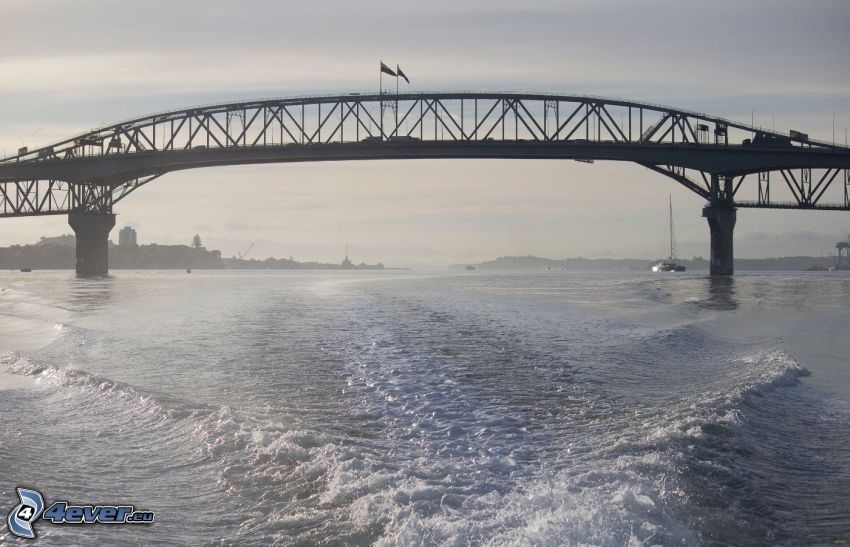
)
(92, 233)
(721, 222)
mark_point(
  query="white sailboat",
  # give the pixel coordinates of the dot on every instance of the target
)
(669, 264)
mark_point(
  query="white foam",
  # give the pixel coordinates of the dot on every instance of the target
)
(27, 323)
(96, 390)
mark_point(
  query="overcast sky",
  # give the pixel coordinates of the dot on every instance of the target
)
(69, 66)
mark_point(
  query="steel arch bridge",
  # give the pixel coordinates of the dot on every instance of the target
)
(729, 164)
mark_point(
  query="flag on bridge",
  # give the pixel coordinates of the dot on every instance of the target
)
(402, 74)
(387, 70)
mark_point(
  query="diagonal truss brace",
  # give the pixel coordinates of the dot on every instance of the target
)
(680, 175)
(54, 197)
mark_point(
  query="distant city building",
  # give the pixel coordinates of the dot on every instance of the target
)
(127, 237)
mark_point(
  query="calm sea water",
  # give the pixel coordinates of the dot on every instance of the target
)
(340, 408)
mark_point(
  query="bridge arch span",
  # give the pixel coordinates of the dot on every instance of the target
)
(86, 175)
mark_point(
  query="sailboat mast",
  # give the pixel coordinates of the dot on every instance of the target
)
(672, 249)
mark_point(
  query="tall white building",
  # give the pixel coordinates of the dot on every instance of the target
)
(127, 237)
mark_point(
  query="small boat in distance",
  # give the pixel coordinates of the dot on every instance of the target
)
(669, 264)
(470, 268)
(26, 270)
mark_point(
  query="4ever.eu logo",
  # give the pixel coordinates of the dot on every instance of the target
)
(22, 518)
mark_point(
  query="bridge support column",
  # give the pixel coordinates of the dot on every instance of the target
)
(721, 222)
(92, 233)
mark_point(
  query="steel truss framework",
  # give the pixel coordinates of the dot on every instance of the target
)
(712, 157)
(54, 197)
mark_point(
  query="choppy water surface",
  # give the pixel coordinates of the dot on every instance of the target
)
(447, 408)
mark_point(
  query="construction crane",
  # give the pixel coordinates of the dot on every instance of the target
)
(244, 253)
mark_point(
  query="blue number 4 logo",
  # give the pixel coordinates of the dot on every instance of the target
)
(22, 517)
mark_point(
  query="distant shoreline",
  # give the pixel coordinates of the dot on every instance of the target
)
(59, 253)
(536, 263)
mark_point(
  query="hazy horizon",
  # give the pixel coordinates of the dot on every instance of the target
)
(250, 255)
(784, 60)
